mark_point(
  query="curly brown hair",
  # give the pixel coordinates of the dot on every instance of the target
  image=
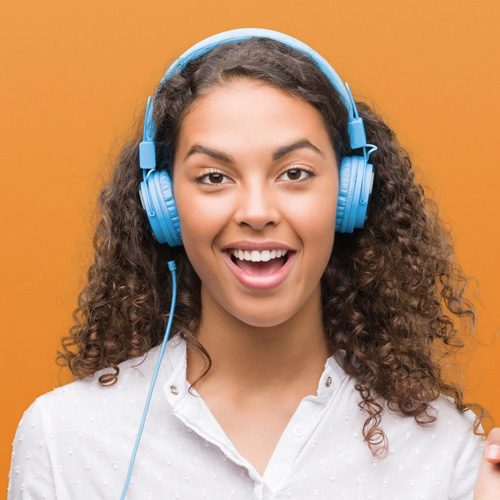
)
(389, 291)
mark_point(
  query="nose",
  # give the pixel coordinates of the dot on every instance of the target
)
(256, 206)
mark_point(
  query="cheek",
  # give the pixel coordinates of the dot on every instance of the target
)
(314, 216)
(314, 221)
(319, 240)
(198, 249)
(201, 221)
(202, 218)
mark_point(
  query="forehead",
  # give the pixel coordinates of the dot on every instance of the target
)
(249, 115)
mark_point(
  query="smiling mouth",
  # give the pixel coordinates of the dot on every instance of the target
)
(261, 275)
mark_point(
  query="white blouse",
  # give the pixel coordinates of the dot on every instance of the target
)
(75, 442)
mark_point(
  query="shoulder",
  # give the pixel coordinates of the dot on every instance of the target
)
(448, 444)
(88, 399)
(30, 469)
(449, 420)
(449, 439)
(134, 377)
(451, 417)
(51, 430)
(457, 427)
(466, 447)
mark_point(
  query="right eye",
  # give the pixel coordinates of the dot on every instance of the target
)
(213, 174)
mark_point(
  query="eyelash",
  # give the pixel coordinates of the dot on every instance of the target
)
(214, 171)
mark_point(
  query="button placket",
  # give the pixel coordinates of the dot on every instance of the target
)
(258, 491)
(196, 415)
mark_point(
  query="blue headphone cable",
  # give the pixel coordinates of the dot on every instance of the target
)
(172, 268)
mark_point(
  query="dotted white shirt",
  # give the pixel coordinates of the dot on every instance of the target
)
(75, 442)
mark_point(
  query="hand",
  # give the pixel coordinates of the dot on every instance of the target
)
(488, 478)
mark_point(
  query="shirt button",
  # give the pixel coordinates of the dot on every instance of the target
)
(328, 382)
(174, 389)
(298, 431)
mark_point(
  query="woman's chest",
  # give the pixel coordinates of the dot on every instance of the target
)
(254, 428)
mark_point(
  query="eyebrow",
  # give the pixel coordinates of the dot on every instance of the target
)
(277, 154)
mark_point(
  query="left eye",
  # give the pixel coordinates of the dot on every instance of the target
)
(298, 170)
(219, 176)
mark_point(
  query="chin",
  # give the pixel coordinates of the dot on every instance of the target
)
(262, 317)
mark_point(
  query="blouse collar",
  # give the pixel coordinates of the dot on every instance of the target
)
(176, 385)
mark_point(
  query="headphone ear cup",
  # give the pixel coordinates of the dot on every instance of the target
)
(355, 187)
(158, 202)
(343, 204)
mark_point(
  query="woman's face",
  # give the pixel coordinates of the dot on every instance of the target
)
(254, 196)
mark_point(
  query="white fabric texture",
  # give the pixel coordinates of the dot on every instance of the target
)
(75, 442)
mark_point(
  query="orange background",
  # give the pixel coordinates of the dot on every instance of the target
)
(75, 78)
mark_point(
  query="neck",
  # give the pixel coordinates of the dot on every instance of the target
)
(260, 360)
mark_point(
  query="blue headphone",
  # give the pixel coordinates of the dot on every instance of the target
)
(356, 174)
(156, 193)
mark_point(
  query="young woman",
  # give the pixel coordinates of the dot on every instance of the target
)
(306, 337)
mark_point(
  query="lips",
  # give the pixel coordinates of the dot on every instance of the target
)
(258, 279)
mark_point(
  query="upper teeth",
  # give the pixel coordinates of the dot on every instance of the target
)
(256, 256)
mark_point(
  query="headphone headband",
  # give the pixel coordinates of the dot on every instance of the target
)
(241, 34)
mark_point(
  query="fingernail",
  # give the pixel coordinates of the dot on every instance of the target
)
(493, 451)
